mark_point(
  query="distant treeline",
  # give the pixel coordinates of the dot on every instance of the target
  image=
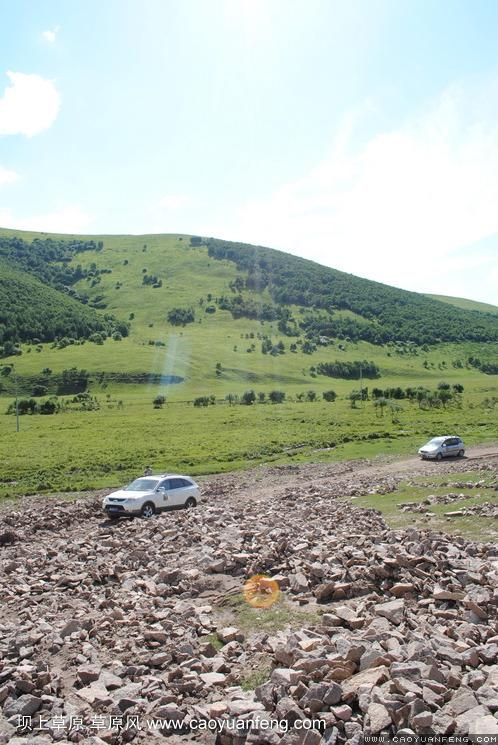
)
(490, 368)
(349, 370)
(388, 314)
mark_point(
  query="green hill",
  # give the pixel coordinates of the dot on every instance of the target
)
(388, 313)
(460, 302)
(201, 355)
(302, 298)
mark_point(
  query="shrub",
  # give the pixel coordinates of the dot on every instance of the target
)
(181, 316)
(96, 338)
(329, 395)
(276, 397)
(39, 390)
(48, 407)
(248, 398)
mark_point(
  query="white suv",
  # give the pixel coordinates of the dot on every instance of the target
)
(150, 494)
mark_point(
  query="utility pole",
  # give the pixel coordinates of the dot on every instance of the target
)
(17, 409)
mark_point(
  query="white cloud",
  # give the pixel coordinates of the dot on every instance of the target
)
(51, 34)
(174, 202)
(68, 219)
(29, 105)
(396, 208)
(7, 176)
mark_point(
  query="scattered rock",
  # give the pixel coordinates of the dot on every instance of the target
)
(385, 632)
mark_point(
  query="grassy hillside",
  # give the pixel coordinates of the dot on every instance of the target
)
(388, 313)
(460, 302)
(215, 329)
(266, 285)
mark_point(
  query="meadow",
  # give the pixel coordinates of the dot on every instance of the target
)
(78, 450)
(216, 355)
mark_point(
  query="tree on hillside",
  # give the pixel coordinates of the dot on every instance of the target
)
(353, 397)
(159, 401)
(181, 316)
(380, 404)
(248, 398)
(329, 395)
(276, 397)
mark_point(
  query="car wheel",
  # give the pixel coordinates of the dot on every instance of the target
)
(439, 456)
(461, 453)
(190, 503)
(147, 510)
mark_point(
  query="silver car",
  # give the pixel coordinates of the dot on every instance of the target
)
(442, 447)
(150, 494)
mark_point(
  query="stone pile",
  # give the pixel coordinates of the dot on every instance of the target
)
(129, 621)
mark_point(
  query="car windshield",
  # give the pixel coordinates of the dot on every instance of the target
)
(142, 485)
(436, 441)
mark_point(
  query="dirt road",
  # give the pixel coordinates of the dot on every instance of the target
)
(145, 618)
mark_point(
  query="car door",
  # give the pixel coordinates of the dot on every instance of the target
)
(179, 491)
(451, 446)
(445, 449)
(162, 498)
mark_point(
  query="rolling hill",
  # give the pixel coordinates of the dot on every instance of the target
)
(460, 302)
(305, 300)
(202, 356)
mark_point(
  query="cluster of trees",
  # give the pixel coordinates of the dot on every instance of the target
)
(248, 398)
(320, 326)
(39, 303)
(415, 393)
(268, 347)
(425, 397)
(205, 401)
(152, 280)
(49, 259)
(181, 316)
(248, 307)
(72, 381)
(389, 314)
(348, 370)
(491, 368)
(32, 406)
(53, 405)
(34, 312)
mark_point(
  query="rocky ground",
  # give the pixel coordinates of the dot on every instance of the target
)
(106, 628)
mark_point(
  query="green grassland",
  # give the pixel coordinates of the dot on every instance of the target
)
(460, 302)
(84, 449)
(473, 488)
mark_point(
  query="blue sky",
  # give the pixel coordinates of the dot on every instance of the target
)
(362, 134)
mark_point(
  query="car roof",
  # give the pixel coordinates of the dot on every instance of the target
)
(166, 476)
